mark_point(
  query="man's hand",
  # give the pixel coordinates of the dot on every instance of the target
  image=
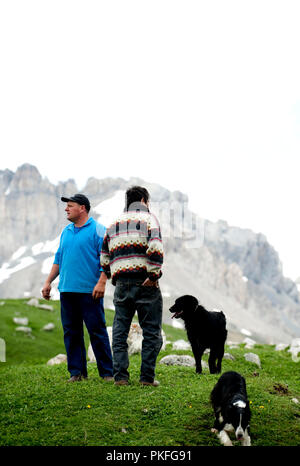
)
(47, 286)
(99, 289)
(46, 291)
(149, 282)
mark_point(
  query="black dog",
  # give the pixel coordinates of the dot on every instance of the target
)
(231, 407)
(204, 330)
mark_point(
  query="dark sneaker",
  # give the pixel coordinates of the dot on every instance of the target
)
(155, 383)
(75, 378)
(121, 382)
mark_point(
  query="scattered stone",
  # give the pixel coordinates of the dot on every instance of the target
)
(295, 343)
(21, 320)
(33, 302)
(295, 349)
(281, 346)
(48, 327)
(295, 400)
(23, 329)
(178, 360)
(229, 356)
(249, 343)
(134, 341)
(91, 354)
(233, 345)
(229, 343)
(252, 357)
(57, 360)
(47, 307)
(177, 324)
(181, 345)
(181, 360)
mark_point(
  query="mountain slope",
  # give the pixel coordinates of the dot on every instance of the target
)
(226, 267)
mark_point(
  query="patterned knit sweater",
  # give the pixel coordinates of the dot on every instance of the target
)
(132, 246)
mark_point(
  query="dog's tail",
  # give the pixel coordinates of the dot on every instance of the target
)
(220, 312)
(223, 315)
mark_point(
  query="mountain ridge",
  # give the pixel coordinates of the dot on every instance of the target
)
(230, 268)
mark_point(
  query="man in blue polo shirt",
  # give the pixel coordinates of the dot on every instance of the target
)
(82, 286)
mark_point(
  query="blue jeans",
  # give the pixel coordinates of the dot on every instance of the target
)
(131, 296)
(77, 308)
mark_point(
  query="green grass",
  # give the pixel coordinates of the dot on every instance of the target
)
(38, 407)
(41, 345)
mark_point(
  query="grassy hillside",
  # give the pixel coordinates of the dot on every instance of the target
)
(41, 345)
(38, 407)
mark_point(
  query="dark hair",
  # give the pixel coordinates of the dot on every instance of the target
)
(134, 195)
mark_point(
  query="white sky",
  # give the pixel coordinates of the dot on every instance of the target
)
(199, 96)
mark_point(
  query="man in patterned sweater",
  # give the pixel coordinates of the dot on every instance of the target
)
(132, 256)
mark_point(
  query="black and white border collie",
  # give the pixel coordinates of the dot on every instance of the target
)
(231, 407)
(205, 329)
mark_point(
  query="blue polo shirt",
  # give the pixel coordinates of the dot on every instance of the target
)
(78, 257)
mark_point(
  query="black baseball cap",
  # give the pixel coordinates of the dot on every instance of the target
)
(79, 199)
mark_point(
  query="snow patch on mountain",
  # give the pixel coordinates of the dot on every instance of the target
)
(109, 209)
(6, 271)
(46, 246)
(19, 253)
(47, 265)
(225, 267)
(17, 262)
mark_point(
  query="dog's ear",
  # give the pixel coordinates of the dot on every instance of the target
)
(228, 410)
(187, 302)
(193, 302)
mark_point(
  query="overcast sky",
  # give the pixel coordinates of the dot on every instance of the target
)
(199, 96)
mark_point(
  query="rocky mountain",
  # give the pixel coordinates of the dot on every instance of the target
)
(226, 267)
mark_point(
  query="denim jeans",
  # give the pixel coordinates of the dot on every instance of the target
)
(77, 308)
(131, 296)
